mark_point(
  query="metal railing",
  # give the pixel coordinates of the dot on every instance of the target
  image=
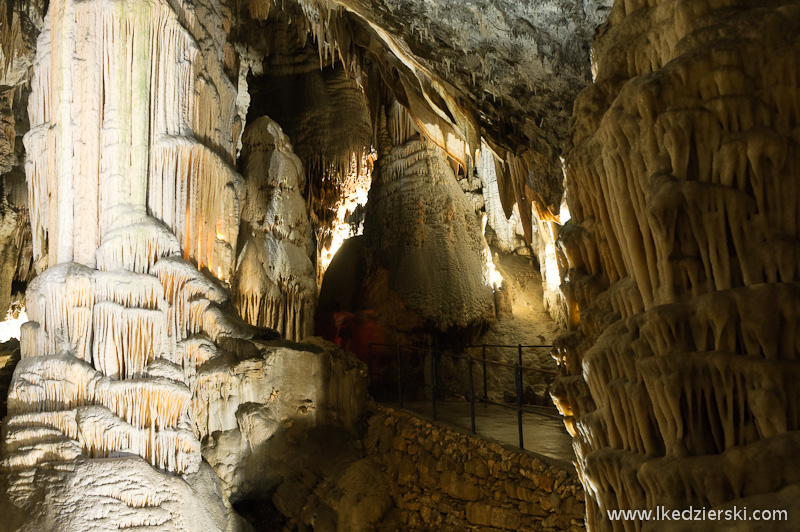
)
(435, 356)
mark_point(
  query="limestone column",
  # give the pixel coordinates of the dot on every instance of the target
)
(680, 379)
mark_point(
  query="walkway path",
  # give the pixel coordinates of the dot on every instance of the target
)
(542, 434)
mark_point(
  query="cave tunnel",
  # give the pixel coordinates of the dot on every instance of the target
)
(264, 263)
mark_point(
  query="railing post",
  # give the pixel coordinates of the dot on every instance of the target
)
(471, 396)
(433, 380)
(519, 404)
(519, 357)
(399, 378)
(369, 363)
(519, 394)
(485, 388)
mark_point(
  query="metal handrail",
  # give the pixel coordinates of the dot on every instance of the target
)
(519, 368)
(462, 357)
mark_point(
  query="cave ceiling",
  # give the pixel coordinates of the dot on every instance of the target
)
(497, 71)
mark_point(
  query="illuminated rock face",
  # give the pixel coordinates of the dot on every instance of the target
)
(680, 380)
(275, 283)
(131, 140)
(127, 170)
(421, 227)
(133, 352)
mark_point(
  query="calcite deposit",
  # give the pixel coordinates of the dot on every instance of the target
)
(191, 167)
(275, 282)
(133, 351)
(682, 257)
(420, 226)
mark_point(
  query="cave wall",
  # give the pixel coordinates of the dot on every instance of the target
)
(679, 376)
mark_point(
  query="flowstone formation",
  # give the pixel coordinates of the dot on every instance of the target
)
(134, 353)
(275, 283)
(679, 381)
(420, 226)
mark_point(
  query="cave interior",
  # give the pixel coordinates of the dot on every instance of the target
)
(219, 217)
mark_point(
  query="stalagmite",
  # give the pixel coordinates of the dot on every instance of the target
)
(275, 276)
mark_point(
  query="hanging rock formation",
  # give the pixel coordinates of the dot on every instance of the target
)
(516, 65)
(509, 236)
(17, 47)
(679, 380)
(133, 353)
(275, 282)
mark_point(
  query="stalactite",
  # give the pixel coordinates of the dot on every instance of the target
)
(182, 284)
(150, 402)
(136, 247)
(192, 353)
(194, 192)
(51, 383)
(129, 290)
(101, 434)
(60, 300)
(126, 339)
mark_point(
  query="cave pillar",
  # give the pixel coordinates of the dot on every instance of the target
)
(679, 381)
(132, 193)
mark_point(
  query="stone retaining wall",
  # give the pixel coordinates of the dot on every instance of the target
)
(446, 480)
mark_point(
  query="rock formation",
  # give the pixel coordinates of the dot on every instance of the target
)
(19, 26)
(677, 272)
(680, 378)
(133, 353)
(421, 227)
(275, 282)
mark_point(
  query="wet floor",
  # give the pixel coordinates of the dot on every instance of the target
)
(542, 434)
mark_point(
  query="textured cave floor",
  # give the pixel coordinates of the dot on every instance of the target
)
(542, 434)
